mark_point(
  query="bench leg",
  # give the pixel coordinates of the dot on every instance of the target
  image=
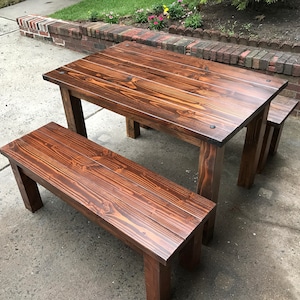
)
(275, 139)
(208, 229)
(28, 189)
(132, 128)
(190, 255)
(265, 148)
(157, 279)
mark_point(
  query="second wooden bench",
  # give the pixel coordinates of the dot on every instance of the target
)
(151, 214)
(280, 108)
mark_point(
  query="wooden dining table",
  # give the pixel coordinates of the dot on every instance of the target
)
(202, 102)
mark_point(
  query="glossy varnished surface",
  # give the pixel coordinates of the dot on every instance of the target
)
(186, 96)
(280, 109)
(140, 207)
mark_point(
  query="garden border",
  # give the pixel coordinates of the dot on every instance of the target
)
(95, 36)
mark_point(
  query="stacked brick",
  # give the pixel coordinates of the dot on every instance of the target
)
(92, 37)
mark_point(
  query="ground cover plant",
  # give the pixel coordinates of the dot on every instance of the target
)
(4, 3)
(157, 14)
(276, 21)
(84, 9)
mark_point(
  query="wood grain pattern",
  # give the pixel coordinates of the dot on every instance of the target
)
(280, 108)
(157, 278)
(201, 102)
(171, 92)
(148, 212)
(134, 202)
(252, 149)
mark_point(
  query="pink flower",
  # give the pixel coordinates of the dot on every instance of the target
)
(151, 17)
(155, 23)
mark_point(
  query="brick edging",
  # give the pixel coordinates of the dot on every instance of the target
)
(273, 44)
(94, 36)
(90, 36)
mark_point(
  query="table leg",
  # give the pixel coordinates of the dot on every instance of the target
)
(73, 112)
(210, 169)
(252, 148)
(132, 128)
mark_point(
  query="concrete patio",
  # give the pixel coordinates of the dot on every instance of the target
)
(57, 253)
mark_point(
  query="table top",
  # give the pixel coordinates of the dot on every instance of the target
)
(172, 92)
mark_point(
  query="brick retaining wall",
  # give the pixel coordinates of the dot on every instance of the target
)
(93, 37)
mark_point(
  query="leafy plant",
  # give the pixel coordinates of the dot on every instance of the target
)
(229, 28)
(195, 4)
(4, 3)
(240, 4)
(176, 10)
(157, 9)
(111, 17)
(141, 16)
(93, 16)
(79, 11)
(194, 20)
(156, 22)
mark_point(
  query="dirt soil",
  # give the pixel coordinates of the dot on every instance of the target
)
(278, 22)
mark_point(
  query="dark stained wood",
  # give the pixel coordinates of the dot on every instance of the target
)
(148, 212)
(206, 65)
(201, 102)
(171, 92)
(190, 255)
(212, 156)
(280, 108)
(28, 189)
(157, 279)
(192, 203)
(276, 135)
(265, 148)
(252, 149)
(209, 178)
(132, 128)
(73, 112)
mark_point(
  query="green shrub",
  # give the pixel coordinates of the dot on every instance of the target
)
(195, 4)
(158, 9)
(111, 17)
(194, 20)
(141, 16)
(176, 10)
(156, 22)
(93, 15)
(240, 4)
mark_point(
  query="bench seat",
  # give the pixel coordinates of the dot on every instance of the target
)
(151, 214)
(280, 108)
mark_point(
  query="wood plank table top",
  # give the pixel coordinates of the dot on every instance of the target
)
(201, 102)
(201, 99)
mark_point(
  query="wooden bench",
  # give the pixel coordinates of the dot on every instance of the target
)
(280, 108)
(151, 214)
